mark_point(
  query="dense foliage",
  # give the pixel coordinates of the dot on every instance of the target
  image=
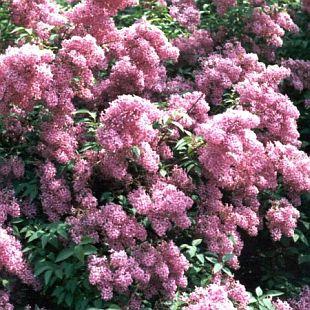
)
(153, 154)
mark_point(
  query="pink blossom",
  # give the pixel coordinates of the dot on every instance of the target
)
(198, 44)
(55, 194)
(4, 301)
(26, 76)
(157, 270)
(41, 15)
(306, 6)
(222, 6)
(282, 219)
(186, 13)
(302, 302)
(9, 205)
(112, 222)
(166, 204)
(11, 258)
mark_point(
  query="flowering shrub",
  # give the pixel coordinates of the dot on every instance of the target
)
(153, 154)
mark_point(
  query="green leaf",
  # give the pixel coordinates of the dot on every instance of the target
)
(217, 267)
(258, 291)
(136, 152)
(304, 259)
(89, 249)
(42, 268)
(197, 242)
(227, 257)
(273, 293)
(302, 237)
(211, 259)
(47, 276)
(163, 172)
(178, 125)
(268, 304)
(295, 237)
(201, 258)
(44, 240)
(306, 224)
(232, 239)
(227, 271)
(192, 251)
(79, 252)
(35, 235)
(59, 273)
(180, 144)
(252, 300)
(69, 299)
(17, 220)
(86, 240)
(93, 115)
(113, 307)
(64, 254)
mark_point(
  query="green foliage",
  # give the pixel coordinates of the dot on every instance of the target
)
(58, 263)
(280, 268)
(297, 46)
(233, 20)
(10, 33)
(153, 12)
(203, 264)
(90, 122)
(262, 301)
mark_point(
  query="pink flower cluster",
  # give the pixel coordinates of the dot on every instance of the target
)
(82, 54)
(260, 95)
(164, 206)
(156, 270)
(25, 75)
(11, 258)
(270, 25)
(221, 72)
(113, 6)
(13, 167)
(40, 15)
(300, 73)
(188, 109)
(306, 6)
(181, 179)
(302, 302)
(233, 156)
(217, 94)
(72, 74)
(222, 6)
(128, 123)
(217, 74)
(8, 205)
(186, 13)
(293, 165)
(55, 194)
(58, 139)
(282, 219)
(82, 173)
(218, 223)
(115, 274)
(228, 296)
(111, 223)
(94, 17)
(281, 305)
(5, 301)
(198, 44)
(141, 52)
